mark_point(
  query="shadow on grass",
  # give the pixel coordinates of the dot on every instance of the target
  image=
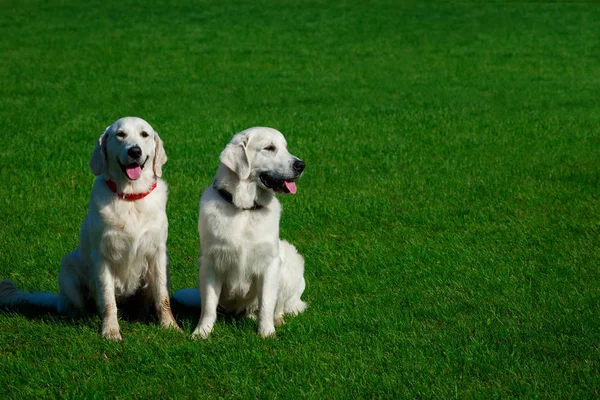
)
(189, 316)
(136, 308)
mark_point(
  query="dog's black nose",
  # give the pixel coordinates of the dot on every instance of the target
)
(134, 152)
(299, 166)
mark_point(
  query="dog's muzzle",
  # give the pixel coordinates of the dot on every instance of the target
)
(133, 169)
(283, 185)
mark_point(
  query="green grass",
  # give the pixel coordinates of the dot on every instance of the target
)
(449, 213)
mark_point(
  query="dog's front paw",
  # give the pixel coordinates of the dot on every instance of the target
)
(112, 334)
(166, 315)
(170, 324)
(266, 331)
(202, 332)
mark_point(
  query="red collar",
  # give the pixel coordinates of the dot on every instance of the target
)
(130, 196)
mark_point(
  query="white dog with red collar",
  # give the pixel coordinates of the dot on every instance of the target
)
(123, 240)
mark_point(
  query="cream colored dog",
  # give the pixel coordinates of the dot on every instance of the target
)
(245, 268)
(123, 241)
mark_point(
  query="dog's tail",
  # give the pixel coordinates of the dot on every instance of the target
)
(11, 298)
(293, 283)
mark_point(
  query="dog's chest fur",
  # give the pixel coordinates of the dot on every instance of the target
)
(243, 243)
(133, 233)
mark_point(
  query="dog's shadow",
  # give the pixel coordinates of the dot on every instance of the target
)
(136, 309)
(185, 304)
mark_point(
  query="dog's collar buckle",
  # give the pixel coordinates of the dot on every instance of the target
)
(129, 196)
(228, 197)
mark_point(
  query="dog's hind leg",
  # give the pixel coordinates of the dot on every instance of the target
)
(295, 306)
(68, 299)
(293, 283)
(71, 295)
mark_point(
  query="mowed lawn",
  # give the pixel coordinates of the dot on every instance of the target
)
(449, 212)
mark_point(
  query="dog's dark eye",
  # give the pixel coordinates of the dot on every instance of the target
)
(270, 148)
(121, 134)
(145, 134)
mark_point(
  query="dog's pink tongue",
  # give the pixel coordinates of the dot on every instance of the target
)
(133, 173)
(291, 186)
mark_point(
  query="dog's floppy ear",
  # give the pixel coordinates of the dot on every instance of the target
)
(98, 161)
(160, 156)
(235, 157)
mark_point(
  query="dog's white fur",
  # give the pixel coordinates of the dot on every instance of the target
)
(122, 247)
(244, 266)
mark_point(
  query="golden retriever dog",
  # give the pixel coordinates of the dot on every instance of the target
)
(244, 267)
(123, 242)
